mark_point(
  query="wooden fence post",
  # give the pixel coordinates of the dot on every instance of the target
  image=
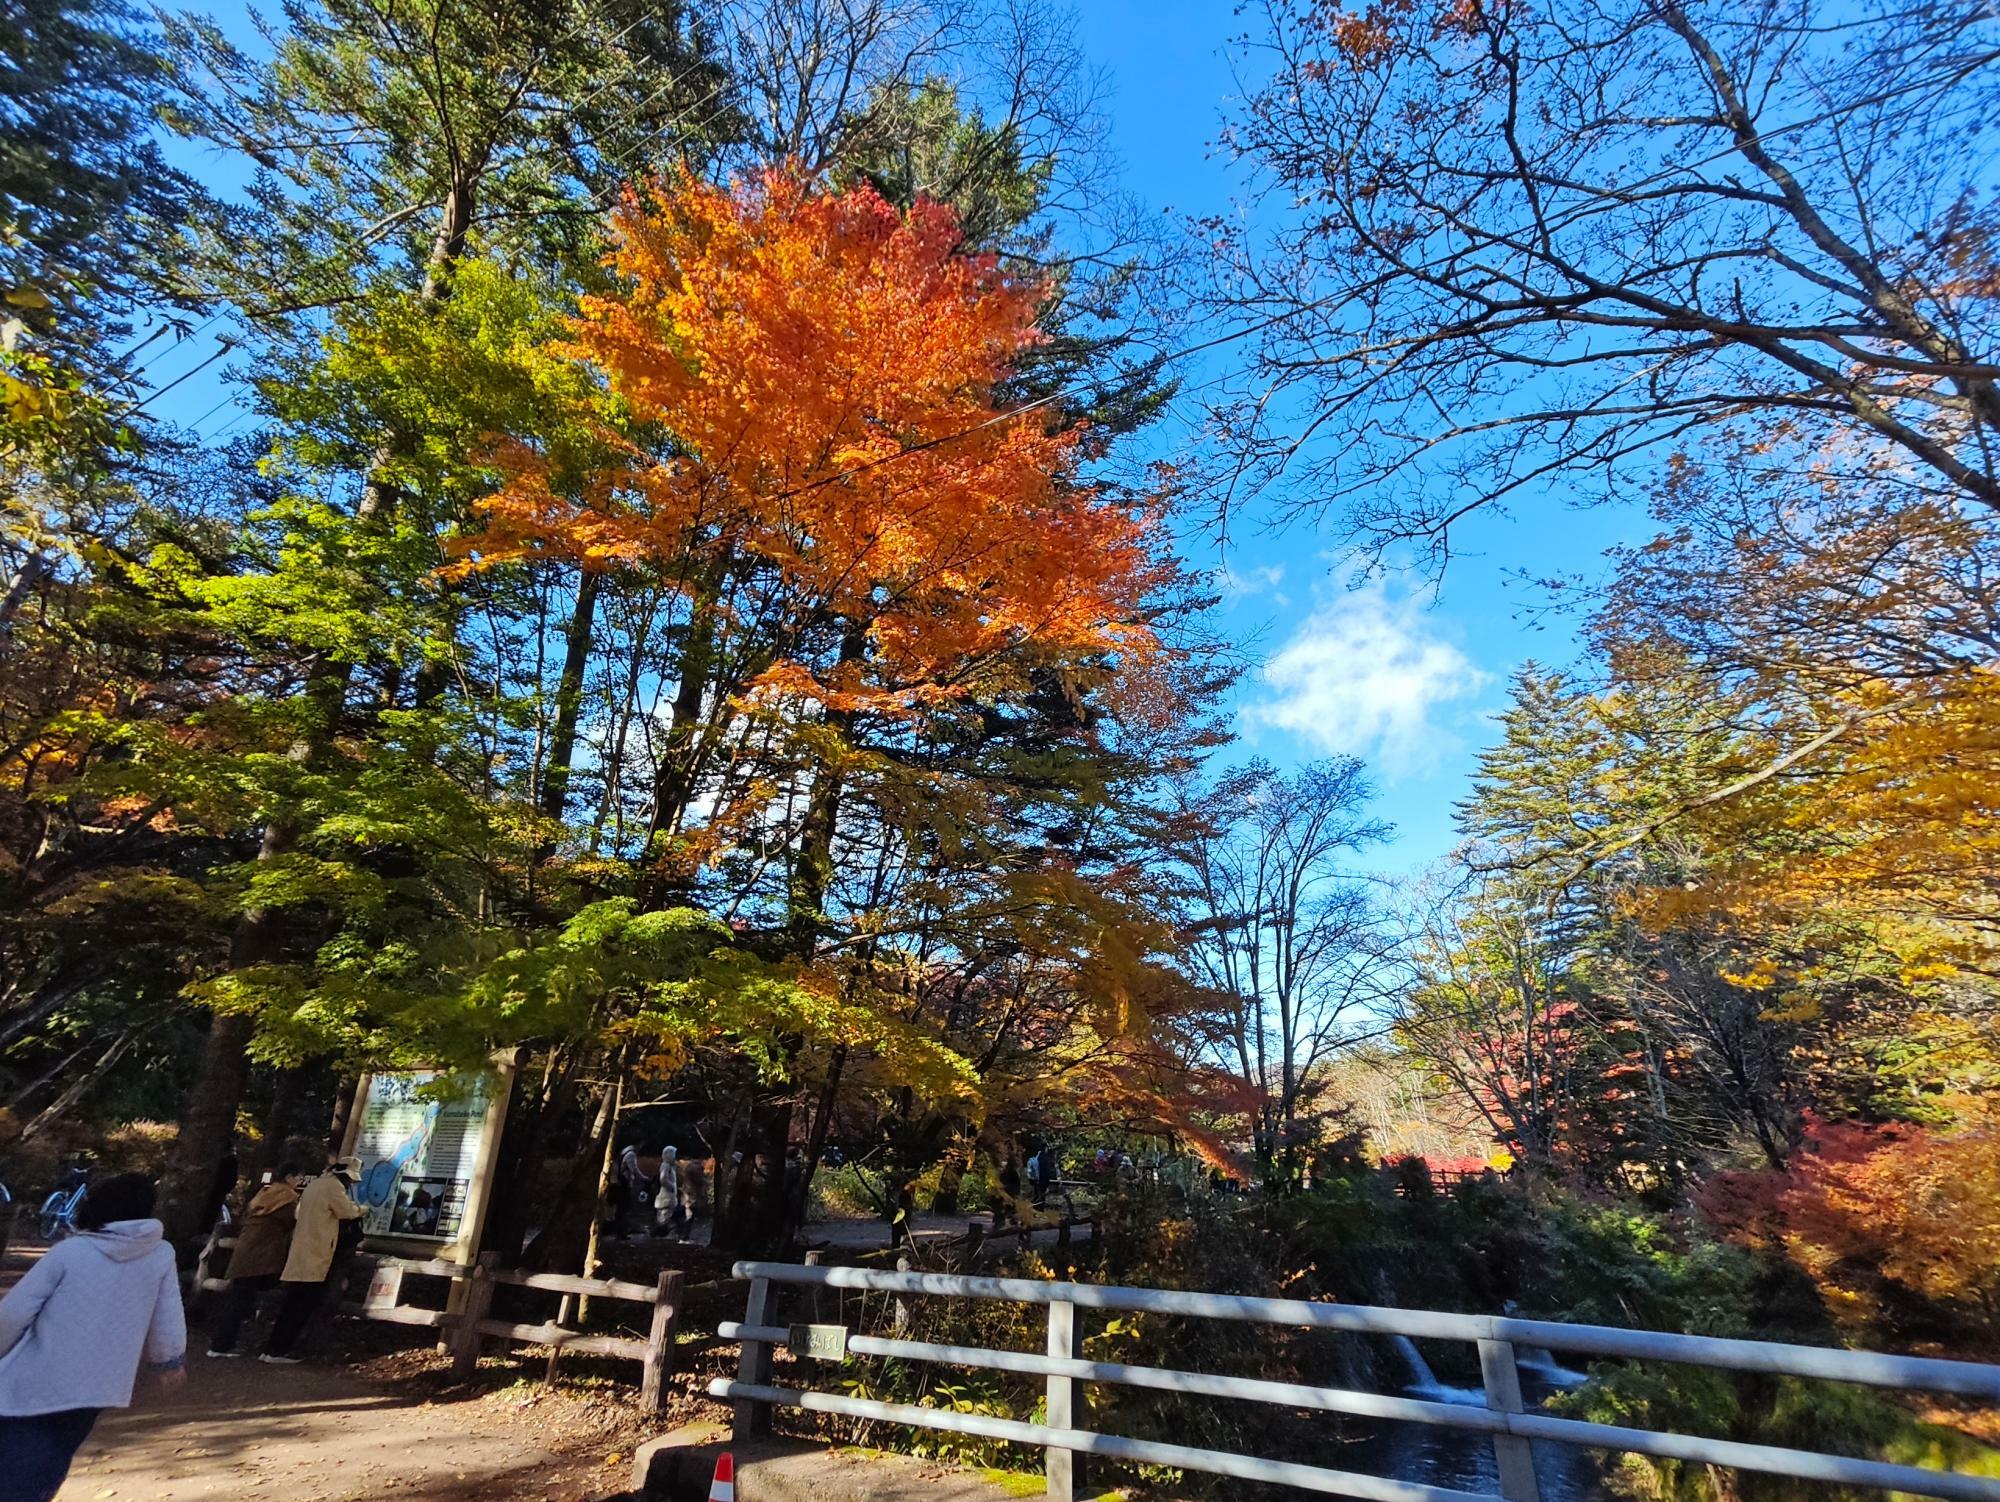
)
(754, 1365)
(660, 1342)
(1514, 1456)
(566, 1310)
(474, 1307)
(1060, 1403)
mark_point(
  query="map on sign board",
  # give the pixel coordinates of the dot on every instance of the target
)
(419, 1148)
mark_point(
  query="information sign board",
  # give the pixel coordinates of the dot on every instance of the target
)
(420, 1143)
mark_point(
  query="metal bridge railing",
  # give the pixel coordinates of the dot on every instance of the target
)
(1505, 1417)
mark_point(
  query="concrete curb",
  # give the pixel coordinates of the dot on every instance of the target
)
(677, 1467)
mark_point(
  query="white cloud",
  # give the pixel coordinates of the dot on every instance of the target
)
(1240, 584)
(1365, 674)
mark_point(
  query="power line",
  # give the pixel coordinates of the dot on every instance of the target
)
(229, 427)
(222, 347)
(195, 426)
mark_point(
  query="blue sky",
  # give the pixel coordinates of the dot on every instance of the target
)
(1398, 672)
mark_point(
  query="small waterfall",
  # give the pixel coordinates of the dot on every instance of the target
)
(1421, 1374)
(1424, 1382)
(1542, 1362)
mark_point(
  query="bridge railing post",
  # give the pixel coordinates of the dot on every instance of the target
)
(1511, 1453)
(1060, 1405)
(754, 1365)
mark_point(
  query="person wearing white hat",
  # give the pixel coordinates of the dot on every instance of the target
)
(327, 1202)
(669, 1210)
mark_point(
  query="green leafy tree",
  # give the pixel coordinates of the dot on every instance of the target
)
(389, 146)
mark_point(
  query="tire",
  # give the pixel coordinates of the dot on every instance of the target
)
(52, 1216)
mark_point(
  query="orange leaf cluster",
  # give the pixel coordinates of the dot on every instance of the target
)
(824, 371)
(1865, 1203)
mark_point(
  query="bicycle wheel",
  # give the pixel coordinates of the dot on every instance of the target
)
(52, 1216)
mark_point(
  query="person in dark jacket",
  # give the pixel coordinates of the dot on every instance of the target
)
(1047, 1169)
(259, 1257)
(220, 1187)
(1008, 1208)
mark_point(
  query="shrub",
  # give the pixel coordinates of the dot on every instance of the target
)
(1899, 1224)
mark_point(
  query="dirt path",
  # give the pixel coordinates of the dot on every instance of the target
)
(243, 1430)
(380, 1420)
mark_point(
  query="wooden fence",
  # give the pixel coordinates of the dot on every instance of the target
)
(467, 1319)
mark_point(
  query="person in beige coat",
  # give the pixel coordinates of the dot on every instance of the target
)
(326, 1202)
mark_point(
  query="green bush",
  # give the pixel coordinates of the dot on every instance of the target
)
(1487, 1248)
(841, 1194)
(974, 1191)
(975, 1322)
(1832, 1417)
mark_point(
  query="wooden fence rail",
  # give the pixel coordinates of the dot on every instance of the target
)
(467, 1320)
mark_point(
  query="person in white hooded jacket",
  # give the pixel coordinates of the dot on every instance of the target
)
(75, 1330)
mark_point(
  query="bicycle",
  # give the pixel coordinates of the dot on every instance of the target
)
(58, 1217)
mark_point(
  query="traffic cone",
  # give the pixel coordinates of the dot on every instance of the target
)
(723, 1488)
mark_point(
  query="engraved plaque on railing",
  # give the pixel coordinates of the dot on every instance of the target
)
(818, 1342)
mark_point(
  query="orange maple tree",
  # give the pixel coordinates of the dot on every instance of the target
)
(824, 370)
(1863, 1203)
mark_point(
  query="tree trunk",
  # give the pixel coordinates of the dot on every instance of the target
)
(756, 1223)
(20, 1098)
(801, 1193)
(569, 698)
(524, 1150)
(662, 882)
(207, 1124)
(210, 1117)
(951, 1180)
(607, 1165)
(209, 1120)
(36, 1012)
(565, 1236)
(288, 1094)
(761, 1220)
(344, 1094)
(26, 582)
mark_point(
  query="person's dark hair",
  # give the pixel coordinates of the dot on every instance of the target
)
(286, 1170)
(129, 1196)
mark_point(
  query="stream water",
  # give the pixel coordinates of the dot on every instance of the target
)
(1462, 1458)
